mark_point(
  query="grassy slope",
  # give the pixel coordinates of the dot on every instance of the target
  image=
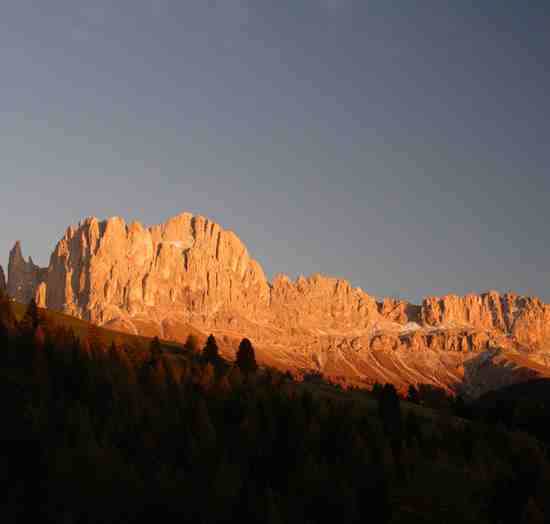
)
(81, 328)
(361, 398)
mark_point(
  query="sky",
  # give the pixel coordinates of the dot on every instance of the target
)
(403, 146)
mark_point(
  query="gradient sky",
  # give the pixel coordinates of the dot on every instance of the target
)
(401, 145)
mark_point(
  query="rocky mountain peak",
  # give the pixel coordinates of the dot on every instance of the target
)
(102, 270)
(24, 276)
(190, 270)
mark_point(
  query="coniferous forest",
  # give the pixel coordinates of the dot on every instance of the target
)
(103, 429)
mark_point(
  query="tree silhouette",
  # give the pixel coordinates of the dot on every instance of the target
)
(155, 349)
(389, 410)
(208, 376)
(412, 395)
(377, 389)
(210, 352)
(155, 435)
(32, 318)
(246, 359)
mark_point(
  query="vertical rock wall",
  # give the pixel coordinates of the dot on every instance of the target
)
(24, 276)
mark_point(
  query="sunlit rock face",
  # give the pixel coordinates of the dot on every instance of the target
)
(188, 267)
(190, 271)
(526, 319)
(24, 276)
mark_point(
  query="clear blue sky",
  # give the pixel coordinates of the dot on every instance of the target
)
(401, 145)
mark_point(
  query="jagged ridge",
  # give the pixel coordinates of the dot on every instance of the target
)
(190, 270)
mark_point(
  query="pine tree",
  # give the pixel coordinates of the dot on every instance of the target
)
(235, 377)
(202, 426)
(156, 378)
(39, 362)
(246, 359)
(207, 377)
(210, 352)
(377, 389)
(32, 318)
(155, 349)
(412, 395)
(389, 410)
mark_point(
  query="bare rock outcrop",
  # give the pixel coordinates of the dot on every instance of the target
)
(24, 276)
(189, 267)
(526, 319)
(399, 311)
(322, 304)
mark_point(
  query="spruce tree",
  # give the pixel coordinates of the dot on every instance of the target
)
(32, 318)
(210, 352)
(155, 349)
(413, 395)
(246, 359)
(389, 410)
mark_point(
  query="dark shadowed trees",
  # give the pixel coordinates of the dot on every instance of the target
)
(246, 358)
(389, 410)
(32, 318)
(210, 352)
(156, 350)
(412, 395)
(164, 436)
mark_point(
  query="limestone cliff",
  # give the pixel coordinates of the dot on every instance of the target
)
(24, 276)
(189, 267)
(526, 319)
(190, 270)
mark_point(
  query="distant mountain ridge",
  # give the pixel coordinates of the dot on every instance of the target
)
(190, 271)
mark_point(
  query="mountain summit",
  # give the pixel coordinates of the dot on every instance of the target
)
(190, 270)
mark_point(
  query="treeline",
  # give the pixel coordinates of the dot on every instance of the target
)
(106, 432)
(524, 406)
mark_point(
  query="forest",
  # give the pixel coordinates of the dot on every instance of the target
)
(103, 429)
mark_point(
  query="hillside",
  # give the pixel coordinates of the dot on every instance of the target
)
(524, 406)
(95, 432)
(81, 329)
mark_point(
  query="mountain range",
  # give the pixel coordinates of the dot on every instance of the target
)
(190, 274)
